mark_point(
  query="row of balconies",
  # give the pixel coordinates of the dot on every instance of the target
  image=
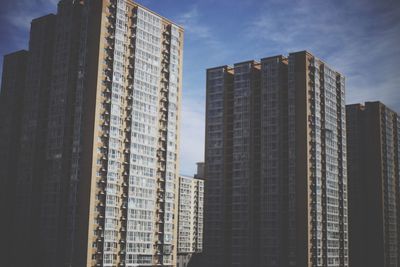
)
(127, 142)
(161, 154)
(165, 59)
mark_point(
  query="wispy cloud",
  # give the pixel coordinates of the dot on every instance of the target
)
(196, 28)
(358, 39)
(190, 21)
(22, 13)
(192, 133)
(20, 21)
(202, 48)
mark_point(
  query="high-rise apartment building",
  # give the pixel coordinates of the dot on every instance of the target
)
(11, 97)
(190, 218)
(374, 185)
(276, 191)
(97, 162)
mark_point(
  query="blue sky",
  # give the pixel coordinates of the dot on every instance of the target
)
(360, 38)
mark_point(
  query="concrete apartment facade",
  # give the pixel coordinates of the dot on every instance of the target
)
(98, 161)
(374, 196)
(190, 220)
(276, 191)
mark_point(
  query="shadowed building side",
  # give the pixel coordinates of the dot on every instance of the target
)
(373, 133)
(11, 101)
(31, 161)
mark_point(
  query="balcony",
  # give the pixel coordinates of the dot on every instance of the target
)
(109, 59)
(107, 100)
(161, 168)
(106, 90)
(132, 37)
(163, 137)
(112, 6)
(110, 48)
(108, 69)
(111, 15)
(111, 27)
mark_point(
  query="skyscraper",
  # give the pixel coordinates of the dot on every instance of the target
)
(11, 97)
(98, 161)
(190, 218)
(374, 192)
(276, 191)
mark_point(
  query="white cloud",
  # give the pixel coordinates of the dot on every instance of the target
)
(192, 133)
(196, 29)
(21, 21)
(190, 21)
(24, 11)
(362, 47)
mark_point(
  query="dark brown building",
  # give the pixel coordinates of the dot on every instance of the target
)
(373, 170)
(276, 191)
(11, 99)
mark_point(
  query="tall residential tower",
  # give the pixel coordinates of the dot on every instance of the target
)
(98, 154)
(11, 97)
(276, 191)
(374, 185)
(190, 218)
